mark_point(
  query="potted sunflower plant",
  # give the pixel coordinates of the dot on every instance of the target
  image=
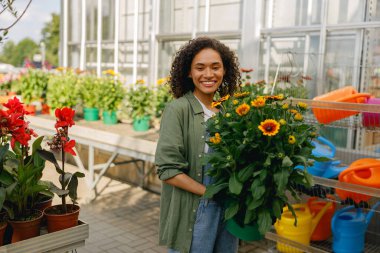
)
(21, 172)
(65, 215)
(257, 141)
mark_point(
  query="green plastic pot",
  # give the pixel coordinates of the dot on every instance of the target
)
(91, 114)
(247, 233)
(109, 118)
(141, 124)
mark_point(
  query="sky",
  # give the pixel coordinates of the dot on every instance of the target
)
(31, 24)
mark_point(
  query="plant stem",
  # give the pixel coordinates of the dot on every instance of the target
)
(63, 179)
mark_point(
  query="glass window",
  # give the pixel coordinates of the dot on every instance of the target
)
(372, 67)
(176, 16)
(294, 59)
(373, 11)
(345, 11)
(74, 53)
(292, 13)
(108, 20)
(91, 20)
(74, 20)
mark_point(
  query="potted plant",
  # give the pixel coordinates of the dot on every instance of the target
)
(89, 91)
(33, 88)
(140, 103)
(257, 142)
(62, 90)
(163, 96)
(21, 172)
(111, 95)
(64, 215)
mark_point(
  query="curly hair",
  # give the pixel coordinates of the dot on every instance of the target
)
(181, 83)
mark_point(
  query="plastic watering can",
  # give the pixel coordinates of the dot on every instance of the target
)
(365, 171)
(349, 229)
(306, 224)
(323, 230)
(329, 169)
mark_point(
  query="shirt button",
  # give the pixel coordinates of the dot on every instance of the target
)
(194, 210)
(199, 155)
(203, 137)
(190, 229)
(199, 174)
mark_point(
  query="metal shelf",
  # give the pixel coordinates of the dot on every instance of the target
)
(57, 242)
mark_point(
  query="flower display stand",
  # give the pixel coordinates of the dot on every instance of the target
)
(60, 241)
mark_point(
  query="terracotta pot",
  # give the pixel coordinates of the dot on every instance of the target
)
(31, 109)
(57, 221)
(44, 203)
(23, 230)
(3, 227)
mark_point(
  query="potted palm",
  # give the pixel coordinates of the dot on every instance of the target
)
(111, 95)
(140, 103)
(21, 172)
(64, 215)
(89, 91)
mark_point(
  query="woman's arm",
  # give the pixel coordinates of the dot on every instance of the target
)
(186, 183)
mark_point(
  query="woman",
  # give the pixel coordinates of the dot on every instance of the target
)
(189, 223)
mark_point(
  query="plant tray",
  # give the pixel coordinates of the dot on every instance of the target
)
(60, 241)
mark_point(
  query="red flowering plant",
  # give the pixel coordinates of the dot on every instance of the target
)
(257, 141)
(20, 165)
(63, 144)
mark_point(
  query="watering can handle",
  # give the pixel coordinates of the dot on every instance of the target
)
(286, 208)
(337, 213)
(358, 167)
(328, 143)
(315, 220)
(370, 213)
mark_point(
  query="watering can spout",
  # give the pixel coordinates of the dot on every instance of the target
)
(370, 213)
(317, 218)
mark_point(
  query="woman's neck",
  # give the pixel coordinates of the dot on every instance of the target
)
(206, 99)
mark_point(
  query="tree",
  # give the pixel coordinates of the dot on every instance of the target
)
(50, 36)
(16, 54)
(7, 52)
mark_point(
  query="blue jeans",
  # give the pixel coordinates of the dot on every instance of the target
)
(209, 234)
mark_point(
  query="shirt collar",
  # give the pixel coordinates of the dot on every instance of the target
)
(197, 108)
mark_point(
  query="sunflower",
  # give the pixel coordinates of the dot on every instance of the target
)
(242, 109)
(258, 102)
(241, 94)
(298, 117)
(291, 139)
(269, 127)
(226, 97)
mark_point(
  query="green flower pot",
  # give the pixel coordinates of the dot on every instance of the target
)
(109, 118)
(91, 114)
(246, 233)
(141, 124)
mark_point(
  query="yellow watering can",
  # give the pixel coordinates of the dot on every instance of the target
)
(306, 223)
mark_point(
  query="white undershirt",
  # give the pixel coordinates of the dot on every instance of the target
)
(206, 115)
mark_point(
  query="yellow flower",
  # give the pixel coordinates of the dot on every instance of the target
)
(285, 106)
(109, 72)
(298, 117)
(215, 104)
(282, 122)
(258, 102)
(60, 69)
(242, 94)
(293, 111)
(313, 134)
(269, 127)
(216, 139)
(302, 105)
(279, 97)
(242, 109)
(235, 102)
(140, 81)
(162, 81)
(226, 97)
(291, 139)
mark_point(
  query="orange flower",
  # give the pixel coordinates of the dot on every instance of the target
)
(294, 111)
(216, 139)
(215, 104)
(285, 106)
(242, 109)
(235, 102)
(298, 117)
(302, 105)
(226, 97)
(269, 127)
(258, 102)
(241, 94)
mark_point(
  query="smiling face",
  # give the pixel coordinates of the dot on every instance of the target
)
(207, 72)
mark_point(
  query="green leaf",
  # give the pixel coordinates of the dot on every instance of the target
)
(264, 221)
(246, 172)
(281, 179)
(49, 156)
(3, 151)
(258, 189)
(231, 211)
(277, 207)
(255, 203)
(213, 189)
(73, 185)
(286, 162)
(268, 160)
(291, 209)
(58, 191)
(2, 196)
(37, 144)
(250, 215)
(234, 184)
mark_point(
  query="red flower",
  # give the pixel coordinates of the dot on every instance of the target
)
(68, 148)
(246, 70)
(15, 106)
(64, 117)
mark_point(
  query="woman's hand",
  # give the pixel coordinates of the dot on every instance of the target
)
(186, 183)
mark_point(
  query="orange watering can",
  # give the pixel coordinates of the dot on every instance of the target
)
(323, 230)
(365, 172)
(306, 224)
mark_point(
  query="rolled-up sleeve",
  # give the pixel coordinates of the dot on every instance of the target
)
(170, 153)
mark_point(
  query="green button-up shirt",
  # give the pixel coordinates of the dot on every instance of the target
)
(179, 150)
